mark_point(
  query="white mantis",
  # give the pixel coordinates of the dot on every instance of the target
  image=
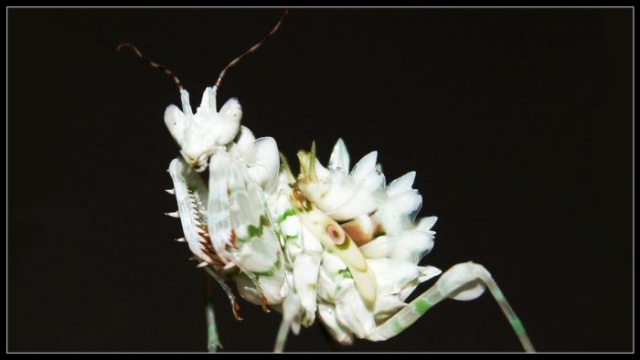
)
(332, 243)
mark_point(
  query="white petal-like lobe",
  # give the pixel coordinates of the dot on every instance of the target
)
(329, 317)
(265, 164)
(245, 144)
(305, 277)
(351, 311)
(408, 246)
(339, 159)
(366, 165)
(403, 183)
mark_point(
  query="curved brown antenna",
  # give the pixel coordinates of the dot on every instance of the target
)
(152, 63)
(252, 49)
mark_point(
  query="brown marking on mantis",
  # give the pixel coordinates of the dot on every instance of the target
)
(152, 63)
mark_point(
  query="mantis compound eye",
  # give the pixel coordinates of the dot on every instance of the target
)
(231, 110)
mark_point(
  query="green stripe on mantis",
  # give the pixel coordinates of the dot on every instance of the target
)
(290, 237)
(271, 271)
(421, 306)
(345, 273)
(285, 215)
(254, 231)
(515, 322)
(398, 326)
(517, 326)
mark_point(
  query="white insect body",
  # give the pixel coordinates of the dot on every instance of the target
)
(333, 243)
(228, 224)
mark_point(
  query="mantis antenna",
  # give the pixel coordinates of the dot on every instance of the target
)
(251, 49)
(223, 72)
(152, 63)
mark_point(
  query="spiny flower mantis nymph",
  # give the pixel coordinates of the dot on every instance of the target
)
(334, 243)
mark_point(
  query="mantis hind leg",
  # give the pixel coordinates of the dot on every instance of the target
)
(464, 281)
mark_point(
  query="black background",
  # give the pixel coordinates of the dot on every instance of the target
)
(517, 121)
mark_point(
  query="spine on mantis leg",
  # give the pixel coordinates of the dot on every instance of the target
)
(191, 194)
